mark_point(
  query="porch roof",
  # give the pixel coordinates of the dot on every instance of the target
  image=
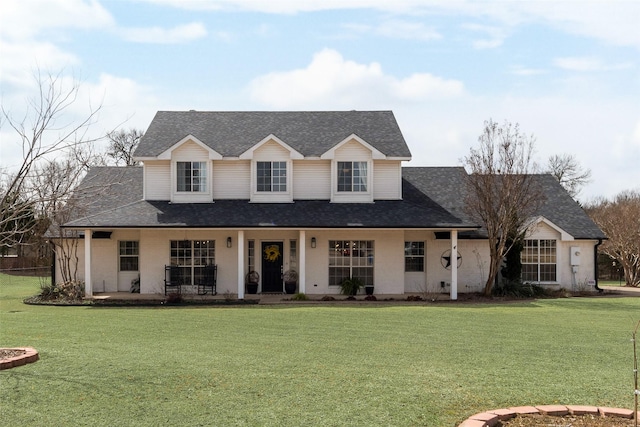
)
(416, 210)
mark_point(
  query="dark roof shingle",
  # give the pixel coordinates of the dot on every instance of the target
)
(310, 133)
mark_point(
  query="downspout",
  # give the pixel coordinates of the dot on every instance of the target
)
(595, 265)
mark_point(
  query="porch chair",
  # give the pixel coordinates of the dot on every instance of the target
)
(207, 283)
(172, 279)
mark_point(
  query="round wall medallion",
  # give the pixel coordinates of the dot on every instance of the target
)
(445, 259)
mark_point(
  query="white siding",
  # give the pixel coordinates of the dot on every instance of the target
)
(352, 151)
(190, 152)
(231, 179)
(543, 231)
(157, 180)
(271, 152)
(387, 180)
(312, 179)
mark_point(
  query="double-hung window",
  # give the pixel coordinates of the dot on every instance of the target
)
(191, 256)
(192, 177)
(129, 251)
(271, 176)
(350, 258)
(413, 256)
(352, 176)
(539, 261)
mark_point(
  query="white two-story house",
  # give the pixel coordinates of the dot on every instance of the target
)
(322, 193)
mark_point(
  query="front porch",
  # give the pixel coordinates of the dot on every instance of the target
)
(264, 298)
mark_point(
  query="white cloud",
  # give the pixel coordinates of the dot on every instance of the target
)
(22, 20)
(397, 29)
(21, 59)
(576, 63)
(615, 22)
(520, 70)
(332, 81)
(178, 34)
(495, 35)
(121, 102)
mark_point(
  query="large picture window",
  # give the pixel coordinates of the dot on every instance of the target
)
(352, 176)
(350, 258)
(129, 251)
(271, 176)
(413, 256)
(539, 261)
(192, 177)
(191, 256)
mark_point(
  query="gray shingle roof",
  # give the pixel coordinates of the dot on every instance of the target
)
(446, 186)
(115, 205)
(310, 133)
(433, 197)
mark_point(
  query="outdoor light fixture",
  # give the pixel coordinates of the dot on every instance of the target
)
(228, 242)
(313, 242)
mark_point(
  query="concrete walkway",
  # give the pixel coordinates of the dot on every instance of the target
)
(627, 291)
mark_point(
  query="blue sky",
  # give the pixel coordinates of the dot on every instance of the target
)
(567, 71)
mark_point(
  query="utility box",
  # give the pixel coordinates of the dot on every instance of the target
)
(575, 255)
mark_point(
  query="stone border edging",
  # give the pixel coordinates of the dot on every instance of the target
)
(491, 418)
(30, 355)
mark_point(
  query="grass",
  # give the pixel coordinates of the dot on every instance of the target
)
(424, 365)
(620, 282)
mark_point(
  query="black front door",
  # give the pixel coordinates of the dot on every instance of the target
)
(272, 266)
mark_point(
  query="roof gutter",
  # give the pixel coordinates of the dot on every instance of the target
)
(595, 265)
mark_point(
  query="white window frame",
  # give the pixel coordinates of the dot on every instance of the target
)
(272, 196)
(192, 258)
(203, 183)
(356, 256)
(351, 196)
(537, 256)
(131, 251)
(414, 250)
(275, 182)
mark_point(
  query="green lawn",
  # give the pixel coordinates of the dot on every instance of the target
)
(431, 365)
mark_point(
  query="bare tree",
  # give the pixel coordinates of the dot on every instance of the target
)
(567, 170)
(43, 132)
(501, 193)
(122, 144)
(54, 184)
(620, 220)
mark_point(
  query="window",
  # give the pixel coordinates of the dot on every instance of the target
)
(272, 176)
(539, 261)
(350, 258)
(192, 177)
(352, 176)
(293, 254)
(129, 251)
(413, 256)
(191, 256)
(251, 256)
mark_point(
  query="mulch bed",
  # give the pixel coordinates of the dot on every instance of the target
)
(587, 420)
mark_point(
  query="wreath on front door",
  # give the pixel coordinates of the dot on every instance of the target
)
(271, 253)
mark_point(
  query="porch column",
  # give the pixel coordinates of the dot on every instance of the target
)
(454, 265)
(240, 240)
(302, 264)
(88, 286)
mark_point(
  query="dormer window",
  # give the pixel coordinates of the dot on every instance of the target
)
(191, 177)
(271, 176)
(352, 176)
